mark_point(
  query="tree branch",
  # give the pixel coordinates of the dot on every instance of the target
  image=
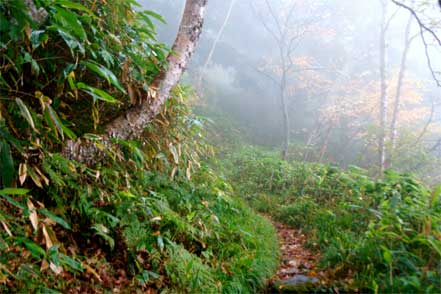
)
(424, 29)
(131, 124)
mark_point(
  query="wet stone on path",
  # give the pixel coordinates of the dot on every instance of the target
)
(297, 272)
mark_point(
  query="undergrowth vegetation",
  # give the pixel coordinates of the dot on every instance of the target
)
(150, 216)
(378, 235)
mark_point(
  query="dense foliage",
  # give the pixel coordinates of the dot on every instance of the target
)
(150, 216)
(383, 235)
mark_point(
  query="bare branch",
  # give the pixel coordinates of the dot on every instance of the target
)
(269, 76)
(265, 25)
(276, 19)
(426, 126)
(424, 29)
(421, 24)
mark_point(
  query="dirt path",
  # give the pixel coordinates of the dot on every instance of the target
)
(297, 264)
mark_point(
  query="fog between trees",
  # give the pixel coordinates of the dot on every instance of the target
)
(333, 78)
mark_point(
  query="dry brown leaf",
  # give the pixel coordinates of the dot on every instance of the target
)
(175, 169)
(44, 265)
(42, 176)
(22, 173)
(47, 238)
(6, 228)
(188, 170)
(33, 217)
(92, 271)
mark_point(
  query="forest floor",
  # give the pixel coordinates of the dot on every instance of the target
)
(297, 263)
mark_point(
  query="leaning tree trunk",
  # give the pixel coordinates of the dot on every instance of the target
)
(383, 94)
(131, 124)
(396, 110)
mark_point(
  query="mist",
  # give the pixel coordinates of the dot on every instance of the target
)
(333, 86)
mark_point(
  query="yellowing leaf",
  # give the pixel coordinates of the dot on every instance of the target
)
(33, 217)
(174, 152)
(25, 112)
(47, 238)
(156, 219)
(91, 270)
(35, 178)
(42, 176)
(22, 173)
(6, 228)
(44, 265)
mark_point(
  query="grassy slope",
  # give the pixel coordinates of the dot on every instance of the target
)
(374, 235)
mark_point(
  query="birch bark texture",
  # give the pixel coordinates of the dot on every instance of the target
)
(383, 91)
(131, 124)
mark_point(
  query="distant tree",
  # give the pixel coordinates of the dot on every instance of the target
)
(426, 30)
(287, 32)
(214, 45)
(383, 89)
(397, 101)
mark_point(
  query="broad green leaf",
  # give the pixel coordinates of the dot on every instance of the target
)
(56, 120)
(25, 112)
(387, 255)
(69, 133)
(73, 5)
(104, 73)
(69, 20)
(36, 250)
(14, 202)
(73, 264)
(14, 191)
(55, 218)
(7, 170)
(435, 195)
(435, 244)
(96, 93)
(103, 231)
(70, 40)
(155, 15)
(38, 37)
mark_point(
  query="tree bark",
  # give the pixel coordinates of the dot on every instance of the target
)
(326, 142)
(131, 124)
(396, 110)
(284, 105)
(213, 47)
(383, 93)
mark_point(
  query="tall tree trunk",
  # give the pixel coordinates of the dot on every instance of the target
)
(284, 102)
(131, 124)
(284, 105)
(213, 47)
(396, 110)
(310, 140)
(326, 142)
(383, 94)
